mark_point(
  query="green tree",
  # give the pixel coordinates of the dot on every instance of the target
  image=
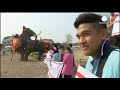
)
(75, 44)
(68, 38)
(7, 40)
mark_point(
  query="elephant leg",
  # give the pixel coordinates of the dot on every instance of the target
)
(39, 57)
(27, 54)
(22, 55)
(26, 57)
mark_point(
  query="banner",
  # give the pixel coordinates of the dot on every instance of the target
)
(83, 73)
(54, 68)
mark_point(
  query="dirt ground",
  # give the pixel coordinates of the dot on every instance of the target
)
(31, 68)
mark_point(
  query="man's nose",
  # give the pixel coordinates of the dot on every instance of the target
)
(81, 40)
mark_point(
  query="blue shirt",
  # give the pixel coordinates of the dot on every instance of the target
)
(111, 68)
(57, 57)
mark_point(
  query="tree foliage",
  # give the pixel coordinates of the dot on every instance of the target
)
(68, 38)
(7, 40)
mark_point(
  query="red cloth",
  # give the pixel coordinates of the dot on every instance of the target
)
(114, 17)
(112, 20)
(16, 43)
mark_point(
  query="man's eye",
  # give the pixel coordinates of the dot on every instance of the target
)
(78, 36)
(86, 34)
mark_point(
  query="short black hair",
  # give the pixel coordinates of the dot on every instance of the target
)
(56, 46)
(61, 47)
(68, 48)
(70, 44)
(89, 18)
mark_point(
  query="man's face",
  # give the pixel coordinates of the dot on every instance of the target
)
(89, 39)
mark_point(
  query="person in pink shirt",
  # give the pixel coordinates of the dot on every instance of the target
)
(68, 60)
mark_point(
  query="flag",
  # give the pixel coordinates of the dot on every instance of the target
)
(16, 42)
(83, 73)
(116, 26)
(54, 67)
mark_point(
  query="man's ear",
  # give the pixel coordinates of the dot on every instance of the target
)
(104, 34)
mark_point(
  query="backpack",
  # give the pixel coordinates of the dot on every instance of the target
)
(104, 59)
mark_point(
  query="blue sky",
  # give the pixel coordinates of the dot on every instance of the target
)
(53, 25)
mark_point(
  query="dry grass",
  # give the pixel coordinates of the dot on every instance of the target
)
(31, 68)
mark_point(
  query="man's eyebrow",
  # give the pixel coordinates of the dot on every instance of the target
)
(85, 31)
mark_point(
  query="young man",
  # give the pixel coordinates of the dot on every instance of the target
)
(103, 59)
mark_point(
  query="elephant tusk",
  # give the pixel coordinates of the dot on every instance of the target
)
(39, 33)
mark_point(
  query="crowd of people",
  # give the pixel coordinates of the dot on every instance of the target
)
(63, 54)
